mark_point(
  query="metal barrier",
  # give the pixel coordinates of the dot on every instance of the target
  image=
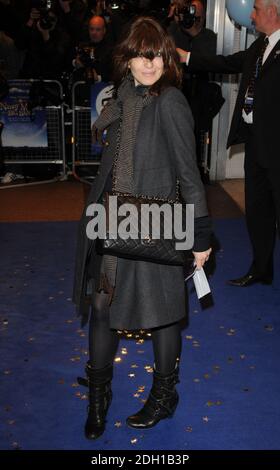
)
(81, 134)
(54, 153)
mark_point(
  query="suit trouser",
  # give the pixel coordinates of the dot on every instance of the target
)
(262, 203)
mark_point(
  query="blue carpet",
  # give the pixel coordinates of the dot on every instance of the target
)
(230, 385)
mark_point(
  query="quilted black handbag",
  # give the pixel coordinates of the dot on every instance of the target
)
(158, 250)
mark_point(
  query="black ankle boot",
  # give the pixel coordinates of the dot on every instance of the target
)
(161, 403)
(100, 397)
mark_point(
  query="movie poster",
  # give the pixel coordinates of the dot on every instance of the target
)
(101, 93)
(23, 126)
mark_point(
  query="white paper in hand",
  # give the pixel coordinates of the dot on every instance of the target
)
(201, 283)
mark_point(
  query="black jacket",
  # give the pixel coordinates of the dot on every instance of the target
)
(149, 294)
(45, 60)
(266, 97)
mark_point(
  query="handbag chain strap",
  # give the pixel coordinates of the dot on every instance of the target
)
(140, 196)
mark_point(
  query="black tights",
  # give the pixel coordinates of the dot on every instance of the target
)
(103, 342)
(167, 343)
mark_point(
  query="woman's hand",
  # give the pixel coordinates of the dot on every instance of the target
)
(201, 257)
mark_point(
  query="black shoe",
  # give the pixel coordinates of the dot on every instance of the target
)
(248, 280)
(161, 403)
(100, 397)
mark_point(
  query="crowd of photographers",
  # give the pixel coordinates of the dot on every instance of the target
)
(73, 40)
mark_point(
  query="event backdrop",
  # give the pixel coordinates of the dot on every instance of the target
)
(23, 127)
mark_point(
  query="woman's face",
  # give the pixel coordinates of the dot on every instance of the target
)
(145, 71)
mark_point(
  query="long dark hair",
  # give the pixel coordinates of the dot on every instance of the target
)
(147, 37)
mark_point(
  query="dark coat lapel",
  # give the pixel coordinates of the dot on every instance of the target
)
(274, 55)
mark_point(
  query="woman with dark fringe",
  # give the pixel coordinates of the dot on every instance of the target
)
(155, 148)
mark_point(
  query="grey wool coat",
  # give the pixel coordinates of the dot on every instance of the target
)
(147, 295)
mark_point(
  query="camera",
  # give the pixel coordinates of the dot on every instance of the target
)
(128, 7)
(187, 16)
(44, 7)
(86, 56)
(117, 4)
(114, 5)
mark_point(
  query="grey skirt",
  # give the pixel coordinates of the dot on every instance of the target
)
(147, 295)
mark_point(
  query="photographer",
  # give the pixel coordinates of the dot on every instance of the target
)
(121, 13)
(71, 17)
(93, 61)
(188, 27)
(189, 33)
(10, 17)
(11, 58)
(45, 43)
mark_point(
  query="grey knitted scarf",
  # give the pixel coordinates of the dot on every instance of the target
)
(127, 107)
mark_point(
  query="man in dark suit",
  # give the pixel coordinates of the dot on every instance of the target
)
(192, 35)
(255, 122)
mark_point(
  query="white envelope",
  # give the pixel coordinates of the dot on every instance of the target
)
(201, 283)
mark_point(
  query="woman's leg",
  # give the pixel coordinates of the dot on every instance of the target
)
(163, 398)
(103, 342)
(167, 344)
